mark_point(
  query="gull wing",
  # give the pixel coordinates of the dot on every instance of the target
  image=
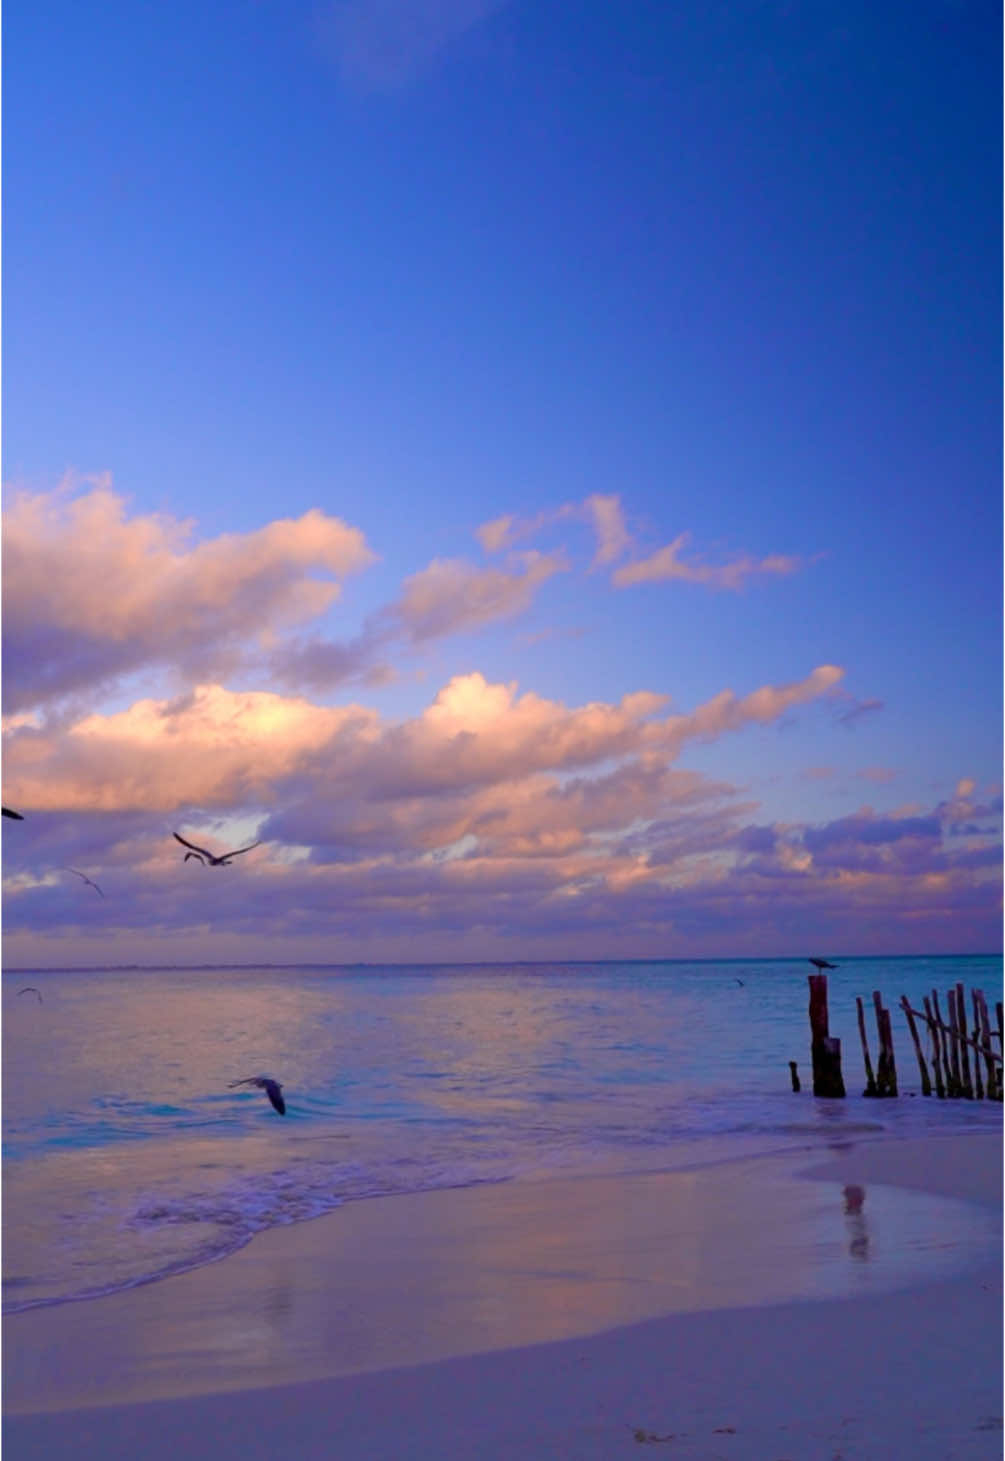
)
(193, 846)
(242, 849)
(89, 881)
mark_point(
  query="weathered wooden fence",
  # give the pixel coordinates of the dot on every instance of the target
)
(950, 1043)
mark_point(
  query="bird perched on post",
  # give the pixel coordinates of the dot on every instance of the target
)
(265, 1083)
(824, 963)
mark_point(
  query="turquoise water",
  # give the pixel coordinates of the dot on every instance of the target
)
(128, 1158)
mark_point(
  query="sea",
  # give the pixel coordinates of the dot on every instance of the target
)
(128, 1157)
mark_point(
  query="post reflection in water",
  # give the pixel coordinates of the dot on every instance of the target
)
(858, 1232)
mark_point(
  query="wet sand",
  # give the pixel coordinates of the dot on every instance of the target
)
(763, 1309)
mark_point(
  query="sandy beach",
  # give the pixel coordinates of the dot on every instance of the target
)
(760, 1310)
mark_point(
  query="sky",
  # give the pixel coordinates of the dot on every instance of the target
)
(533, 467)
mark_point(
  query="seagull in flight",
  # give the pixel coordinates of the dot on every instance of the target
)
(8, 813)
(201, 855)
(30, 989)
(265, 1083)
(87, 880)
(824, 963)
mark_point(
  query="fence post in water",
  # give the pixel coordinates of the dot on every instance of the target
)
(961, 1025)
(793, 1071)
(994, 1084)
(891, 1063)
(826, 1050)
(950, 1050)
(940, 1089)
(870, 1079)
(978, 1082)
(926, 1084)
(886, 1071)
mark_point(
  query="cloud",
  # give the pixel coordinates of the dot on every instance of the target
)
(453, 596)
(91, 594)
(667, 563)
(608, 520)
(382, 44)
(222, 749)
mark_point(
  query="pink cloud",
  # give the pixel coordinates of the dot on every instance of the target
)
(453, 596)
(667, 563)
(91, 594)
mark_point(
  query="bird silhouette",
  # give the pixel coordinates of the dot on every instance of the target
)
(86, 879)
(824, 963)
(201, 855)
(265, 1083)
(30, 989)
(8, 813)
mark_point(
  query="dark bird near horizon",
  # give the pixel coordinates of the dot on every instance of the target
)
(201, 855)
(739, 981)
(30, 989)
(265, 1083)
(86, 879)
(8, 813)
(824, 963)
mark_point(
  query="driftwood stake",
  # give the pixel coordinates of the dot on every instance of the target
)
(891, 1064)
(978, 1082)
(961, 1025)
(886, 1070)
(826, 1050)
(933, 1032)
(794, 1073)
(943, 1031)
(954, 1045)
(994, 1083)
(926, 1084)
(870, 1079)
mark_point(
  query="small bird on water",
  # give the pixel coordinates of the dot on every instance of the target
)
(823, 963)
(265, 1083)
(201, 855)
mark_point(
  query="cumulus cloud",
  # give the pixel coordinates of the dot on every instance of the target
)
(452, 596)
(667, 563)
(91, 594)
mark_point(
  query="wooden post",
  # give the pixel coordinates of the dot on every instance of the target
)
(926, 1084)
(978, 1082)
(826, 1051)
(940, 1089)
(994, 1084)
(870, 1079)
(794, 1073)
(956, 1088)
(1001, 1023)
(961, 1025)
(891, 1064)
(886, 1073)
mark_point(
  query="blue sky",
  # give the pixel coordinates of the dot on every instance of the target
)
(421, 264)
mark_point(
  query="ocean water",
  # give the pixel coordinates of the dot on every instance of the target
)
(127, 1158)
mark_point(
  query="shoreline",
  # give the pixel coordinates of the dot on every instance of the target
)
(701, 1159)
(413, 1285)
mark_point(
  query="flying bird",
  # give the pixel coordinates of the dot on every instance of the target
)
(824, 963)
(8, 813)
(201, 855)
(87, 880)
(30, 989)
(265, 1083)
